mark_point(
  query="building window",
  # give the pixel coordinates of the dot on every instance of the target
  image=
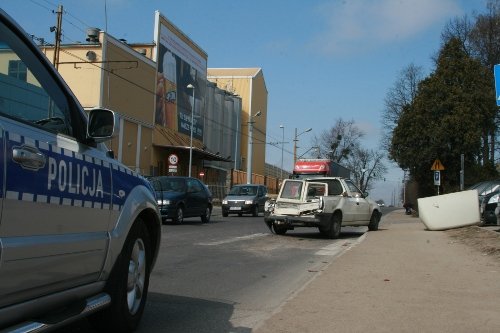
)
(17, 69)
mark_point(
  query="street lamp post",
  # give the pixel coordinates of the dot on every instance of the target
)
(250, 146)
(282, 142)
(190, 86)
(295, 143)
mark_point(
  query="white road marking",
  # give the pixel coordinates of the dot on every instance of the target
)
(338, 247)
(234, 239)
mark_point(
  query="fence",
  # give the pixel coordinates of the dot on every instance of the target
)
(219, 189)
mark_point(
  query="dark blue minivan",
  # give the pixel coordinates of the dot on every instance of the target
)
(180, 197)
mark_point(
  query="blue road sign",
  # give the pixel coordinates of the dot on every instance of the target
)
(437, 178)
(496, 72)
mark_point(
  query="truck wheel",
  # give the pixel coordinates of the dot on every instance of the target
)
(255, 211)
(128, 284)
(205, 218)
(374, 220)
(179, 215)
(279, 230)
(335, 226)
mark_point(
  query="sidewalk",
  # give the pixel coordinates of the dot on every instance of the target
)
(401, 278)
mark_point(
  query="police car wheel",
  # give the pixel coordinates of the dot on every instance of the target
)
(128, 284)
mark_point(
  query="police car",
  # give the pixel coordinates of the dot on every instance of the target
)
(79, 232)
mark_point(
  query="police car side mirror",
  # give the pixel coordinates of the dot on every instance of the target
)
(102, 125)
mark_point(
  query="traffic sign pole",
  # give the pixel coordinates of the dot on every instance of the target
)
(437, 180)
(437, 167)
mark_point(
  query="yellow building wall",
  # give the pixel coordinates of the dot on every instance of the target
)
(118, 79)
(249, 84)
(128, 84)
(129, 146)
(82, 77)
(146, 150)
(259, 103)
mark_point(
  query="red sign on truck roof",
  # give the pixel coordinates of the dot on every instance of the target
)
(312, 166)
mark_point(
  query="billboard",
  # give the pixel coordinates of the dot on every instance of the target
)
(180, 62)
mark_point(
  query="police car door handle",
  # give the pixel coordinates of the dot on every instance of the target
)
(29, 157)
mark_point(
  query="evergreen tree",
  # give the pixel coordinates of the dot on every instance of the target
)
(447, 118)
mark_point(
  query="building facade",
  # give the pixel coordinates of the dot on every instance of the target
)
(248, 83)
(159, 94)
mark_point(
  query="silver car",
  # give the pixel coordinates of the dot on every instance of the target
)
(245, 199)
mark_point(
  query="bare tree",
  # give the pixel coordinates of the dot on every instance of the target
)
(339, 142)
(366, 166)
(401, 95)
(461, 29)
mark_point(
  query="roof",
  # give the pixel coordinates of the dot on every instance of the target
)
(179, 141)
(233, 72)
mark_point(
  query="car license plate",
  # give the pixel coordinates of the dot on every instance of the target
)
(234, 208)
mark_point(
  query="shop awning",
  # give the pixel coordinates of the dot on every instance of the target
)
(168, 138)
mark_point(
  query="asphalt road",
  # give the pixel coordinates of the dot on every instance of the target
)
(231, 274)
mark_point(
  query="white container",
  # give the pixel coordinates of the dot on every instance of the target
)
(449, 211)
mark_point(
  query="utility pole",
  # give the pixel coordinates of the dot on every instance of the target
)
(57, 29)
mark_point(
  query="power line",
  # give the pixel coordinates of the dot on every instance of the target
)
(39, 4)
(112, 72)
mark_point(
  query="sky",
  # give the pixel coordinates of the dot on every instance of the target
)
(322, 59)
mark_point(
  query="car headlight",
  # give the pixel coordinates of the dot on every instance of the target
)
(163, 202)
(494, 199)
(248, 202)
(224, 202)
(269, 206)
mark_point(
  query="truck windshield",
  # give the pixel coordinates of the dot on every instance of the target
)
(291, 190)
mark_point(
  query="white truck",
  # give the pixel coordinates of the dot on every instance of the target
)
(327, 203)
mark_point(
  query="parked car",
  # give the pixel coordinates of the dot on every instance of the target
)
(80, 232)
(488, 206)
(488, 197)
(245, 199)
(182, 197)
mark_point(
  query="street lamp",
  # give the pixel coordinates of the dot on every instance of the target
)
(295, 143)
(190, 86)
(250, 146)
(282, 142)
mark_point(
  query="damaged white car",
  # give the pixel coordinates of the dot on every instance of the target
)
(325, 203)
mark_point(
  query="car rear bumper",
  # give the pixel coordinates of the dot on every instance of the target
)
(297, 221)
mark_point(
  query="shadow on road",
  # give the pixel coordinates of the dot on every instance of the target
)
(178, 314)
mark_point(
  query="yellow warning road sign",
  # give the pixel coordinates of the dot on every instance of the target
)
(437, 166)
